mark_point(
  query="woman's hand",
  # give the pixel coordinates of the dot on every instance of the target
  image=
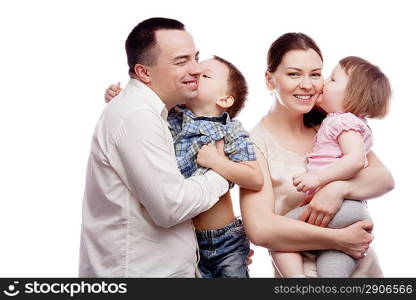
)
(324, 204)
(355, 239)
(112, 91)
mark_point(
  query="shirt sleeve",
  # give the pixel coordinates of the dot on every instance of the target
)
(145, 162)
(238, 146)
(344, 122)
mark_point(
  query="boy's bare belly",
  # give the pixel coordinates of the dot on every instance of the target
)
(217, 216)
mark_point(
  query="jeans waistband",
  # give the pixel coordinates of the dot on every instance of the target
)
(204, 234)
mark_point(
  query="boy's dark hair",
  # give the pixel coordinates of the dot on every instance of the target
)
(237, 87)
(141, 42)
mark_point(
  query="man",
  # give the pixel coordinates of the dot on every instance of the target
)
(137, 206)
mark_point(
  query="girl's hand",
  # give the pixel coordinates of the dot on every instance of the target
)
(112, 91)
(209, 154)
(355, 239)
(325, 204)
(306, 182)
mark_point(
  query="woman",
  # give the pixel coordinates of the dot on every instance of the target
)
(283, 138)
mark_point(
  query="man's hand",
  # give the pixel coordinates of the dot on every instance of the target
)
(112, 91)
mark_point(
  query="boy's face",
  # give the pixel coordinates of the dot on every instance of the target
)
(213, 85)
(334, 91)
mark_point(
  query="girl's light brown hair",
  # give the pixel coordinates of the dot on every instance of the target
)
(368, 91)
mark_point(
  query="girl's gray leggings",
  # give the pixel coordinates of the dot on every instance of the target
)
(333, 263)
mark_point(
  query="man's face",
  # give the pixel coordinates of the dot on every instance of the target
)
(175, 76)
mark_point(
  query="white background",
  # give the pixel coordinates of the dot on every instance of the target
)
(57, 57)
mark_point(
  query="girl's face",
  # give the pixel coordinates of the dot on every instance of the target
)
(334, 91)
(297, 80)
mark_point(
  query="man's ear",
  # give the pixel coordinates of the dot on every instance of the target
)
(142, 73)
(226, 101)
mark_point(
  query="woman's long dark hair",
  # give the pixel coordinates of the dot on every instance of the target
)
(295, 41)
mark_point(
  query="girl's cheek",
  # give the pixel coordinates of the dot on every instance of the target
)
(321, 85)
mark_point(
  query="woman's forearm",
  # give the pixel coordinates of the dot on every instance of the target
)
(266, 229)
(371, 182)
(279, 233)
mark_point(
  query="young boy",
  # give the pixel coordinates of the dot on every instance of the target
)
(223, 246)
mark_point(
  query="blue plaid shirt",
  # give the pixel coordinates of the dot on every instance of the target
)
(190, 133)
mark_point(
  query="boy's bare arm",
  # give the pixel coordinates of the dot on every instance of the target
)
(246, 174)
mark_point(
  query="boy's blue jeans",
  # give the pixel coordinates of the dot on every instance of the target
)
(223, 251)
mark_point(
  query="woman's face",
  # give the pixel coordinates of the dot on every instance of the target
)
(297, 80)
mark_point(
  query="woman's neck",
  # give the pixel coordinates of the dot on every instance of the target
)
(282, 119)
(288, 129)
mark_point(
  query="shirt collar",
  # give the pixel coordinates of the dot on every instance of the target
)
(152, 98)
(224, 118)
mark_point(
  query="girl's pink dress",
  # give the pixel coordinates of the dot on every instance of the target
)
(326, 149)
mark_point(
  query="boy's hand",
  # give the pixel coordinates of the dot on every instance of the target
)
(208, 156)
(112, 91)
(306, 182)
(220, 148)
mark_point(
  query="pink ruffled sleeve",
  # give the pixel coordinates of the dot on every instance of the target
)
(340, 123)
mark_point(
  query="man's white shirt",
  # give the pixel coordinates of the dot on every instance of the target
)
(137, 209)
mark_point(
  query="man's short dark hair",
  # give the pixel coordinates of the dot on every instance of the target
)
(141, 42)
